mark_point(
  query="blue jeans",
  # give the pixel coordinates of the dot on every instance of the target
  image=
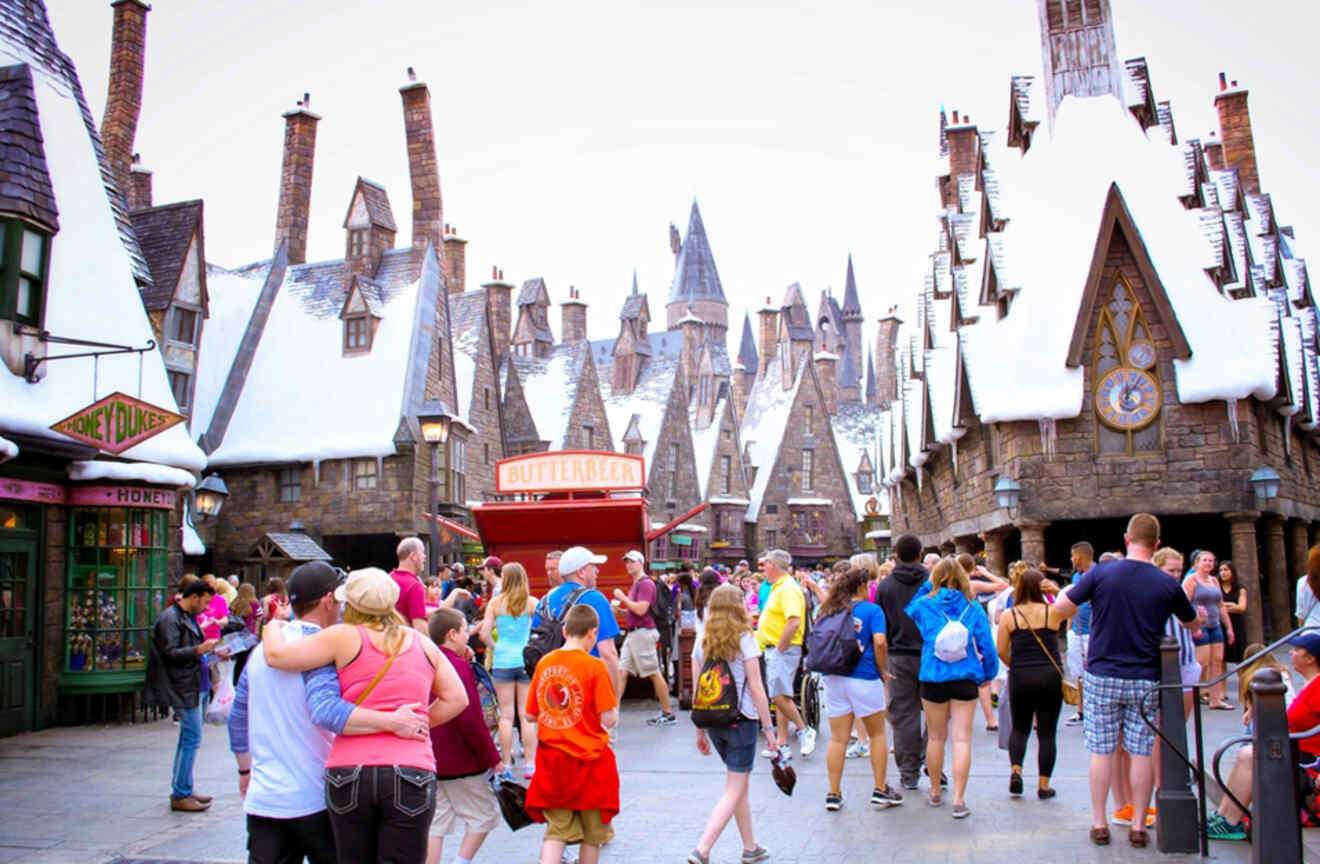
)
(190, 738)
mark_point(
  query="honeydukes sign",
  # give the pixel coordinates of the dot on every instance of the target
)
(565, 470)
(117, 422)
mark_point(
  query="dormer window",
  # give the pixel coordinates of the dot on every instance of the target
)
(184, 329)
(24, 259)
(357, 334)
(357, 243)
(865, 482)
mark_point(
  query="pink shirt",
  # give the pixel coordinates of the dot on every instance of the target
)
(407, 680)
(213, 616)
(412, 596)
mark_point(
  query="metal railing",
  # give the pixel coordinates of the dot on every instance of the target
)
(1180, 729)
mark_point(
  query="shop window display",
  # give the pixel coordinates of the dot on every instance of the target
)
(116, 589)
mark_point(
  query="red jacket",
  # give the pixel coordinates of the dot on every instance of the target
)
(463, 746)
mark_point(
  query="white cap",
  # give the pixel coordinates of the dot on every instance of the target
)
(575, 558)
(634, 555)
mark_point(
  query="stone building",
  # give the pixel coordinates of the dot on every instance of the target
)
(553, 401)
(1114, 319)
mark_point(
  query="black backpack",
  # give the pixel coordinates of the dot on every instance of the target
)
(832, 647)
(662, 610)
(548, 634)
(714, 696)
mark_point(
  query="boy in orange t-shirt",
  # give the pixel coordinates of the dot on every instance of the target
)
(575, 789)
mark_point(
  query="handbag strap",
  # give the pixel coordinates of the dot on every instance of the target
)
(389, 661)
(1044, 650)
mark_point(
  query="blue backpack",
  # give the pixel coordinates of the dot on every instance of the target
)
(832, 646)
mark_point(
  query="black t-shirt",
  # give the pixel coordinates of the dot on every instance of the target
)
(1130, 601)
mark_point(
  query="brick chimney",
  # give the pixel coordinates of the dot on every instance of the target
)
(1235, 133)
(123, 104)
(296, 179)
(573, 318)
(964, 150)
(827, 376)
(689, 355)
(427, 209)
(499, 306)
(455, 260)
(768, 340)
(139, 186)
(886, 368)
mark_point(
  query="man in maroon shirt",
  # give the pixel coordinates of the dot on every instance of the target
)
(464, 752)
(412, 594)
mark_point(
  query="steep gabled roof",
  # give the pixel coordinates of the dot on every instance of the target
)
(747, 357)
(793, 315)
(26, 189)
(648, 400)
(855, 428)
(468, 326)
(764, 425)
(533, 291)
(634, 304)
(695, 276)
(852, 305)
(165, 234)
(550, 386)
(377, 201)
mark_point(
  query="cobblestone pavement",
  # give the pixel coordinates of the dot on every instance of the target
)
(90, 795)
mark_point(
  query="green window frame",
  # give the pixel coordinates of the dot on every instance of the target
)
(116, 587)
(24, 266)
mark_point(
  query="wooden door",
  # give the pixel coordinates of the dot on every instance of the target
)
(18, 570)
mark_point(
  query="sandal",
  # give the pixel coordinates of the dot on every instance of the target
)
(1138, 839)
(934, 799)
(1223, 706)
(1100, 836)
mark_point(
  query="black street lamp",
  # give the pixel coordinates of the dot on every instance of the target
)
(209, 497)
(434, 418)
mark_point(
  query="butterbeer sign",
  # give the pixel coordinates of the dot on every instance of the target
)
(117, 423)
(565, 470)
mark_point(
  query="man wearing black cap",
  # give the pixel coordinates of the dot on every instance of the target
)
(281, 727)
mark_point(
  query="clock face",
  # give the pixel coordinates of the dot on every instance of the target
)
(1141, 355)
(1127, 399)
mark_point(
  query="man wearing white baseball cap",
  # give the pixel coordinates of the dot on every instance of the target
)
(577, 567)
(639, 647)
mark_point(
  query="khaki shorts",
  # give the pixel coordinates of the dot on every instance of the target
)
(639, 655)
(576, 826)
(468, 800)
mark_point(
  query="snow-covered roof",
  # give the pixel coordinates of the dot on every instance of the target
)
(641, 411)
(192, 542)
(146, 472)
(305, 399)
(233, 297)
(705, 441)
(468, 313)
(92, 291)
(763, 427)
(856, 433)
(550, 386)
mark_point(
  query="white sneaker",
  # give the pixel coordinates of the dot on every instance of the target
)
(806, 741)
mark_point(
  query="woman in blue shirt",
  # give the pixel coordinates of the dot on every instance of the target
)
(860, 693)
(949, 683)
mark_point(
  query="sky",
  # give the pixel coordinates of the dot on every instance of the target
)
(569, 135)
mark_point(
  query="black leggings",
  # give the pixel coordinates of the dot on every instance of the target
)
(1034, 692)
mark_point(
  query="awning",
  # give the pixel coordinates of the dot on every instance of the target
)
(456, 527)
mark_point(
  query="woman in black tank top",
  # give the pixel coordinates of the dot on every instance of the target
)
(1028, 641)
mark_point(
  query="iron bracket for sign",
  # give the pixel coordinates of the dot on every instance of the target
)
(31, 361)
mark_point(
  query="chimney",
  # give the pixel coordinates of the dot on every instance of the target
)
(689, 354)
(573, 318)
(827, 376)
(886, 368)
(455, 260)
(964, 150)
(499, 300)
(768, 344)
(1235, 133)
(123, 104)
(296, 179)
(139, 186)
(427, 210)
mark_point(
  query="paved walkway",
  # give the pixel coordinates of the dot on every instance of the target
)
(89, 795)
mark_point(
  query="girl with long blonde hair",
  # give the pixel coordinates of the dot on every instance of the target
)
(508, 620)
(728, 637)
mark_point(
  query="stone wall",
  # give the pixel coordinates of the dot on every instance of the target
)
(487, 446)
(588, 410)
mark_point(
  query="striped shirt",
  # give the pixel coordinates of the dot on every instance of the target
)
(1186, 648)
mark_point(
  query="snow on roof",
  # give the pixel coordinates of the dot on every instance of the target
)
(691, 527)
(146, 472)
(809, 502)
(306, 400)
(763, 427)
(550, 386)
(233, 297)
(91, 295)
(705, 441)
(8, 449)
(468, 312)
(1016, 366)
(856, 427)
(643, 408)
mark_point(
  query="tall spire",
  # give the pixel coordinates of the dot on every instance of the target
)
(696, 281)
(747, 350)
(635, 291)
(870, 378)
(851, 305)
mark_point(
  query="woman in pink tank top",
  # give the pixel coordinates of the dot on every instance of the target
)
(379, 788)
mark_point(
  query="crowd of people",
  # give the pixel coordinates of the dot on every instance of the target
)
(382, 712)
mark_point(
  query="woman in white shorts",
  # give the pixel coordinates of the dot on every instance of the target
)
(861, 693)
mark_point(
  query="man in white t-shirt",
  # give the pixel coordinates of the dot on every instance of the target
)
(281, 727)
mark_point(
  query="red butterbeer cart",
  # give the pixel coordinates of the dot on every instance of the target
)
(564, 498)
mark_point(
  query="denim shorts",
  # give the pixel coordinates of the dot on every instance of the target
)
(512, 675)
(736, 744)
(1209, 636)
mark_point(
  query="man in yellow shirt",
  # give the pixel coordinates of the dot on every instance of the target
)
(779, 633)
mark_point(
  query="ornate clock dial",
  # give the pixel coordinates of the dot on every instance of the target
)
(1141, 354)
(1127, 399)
